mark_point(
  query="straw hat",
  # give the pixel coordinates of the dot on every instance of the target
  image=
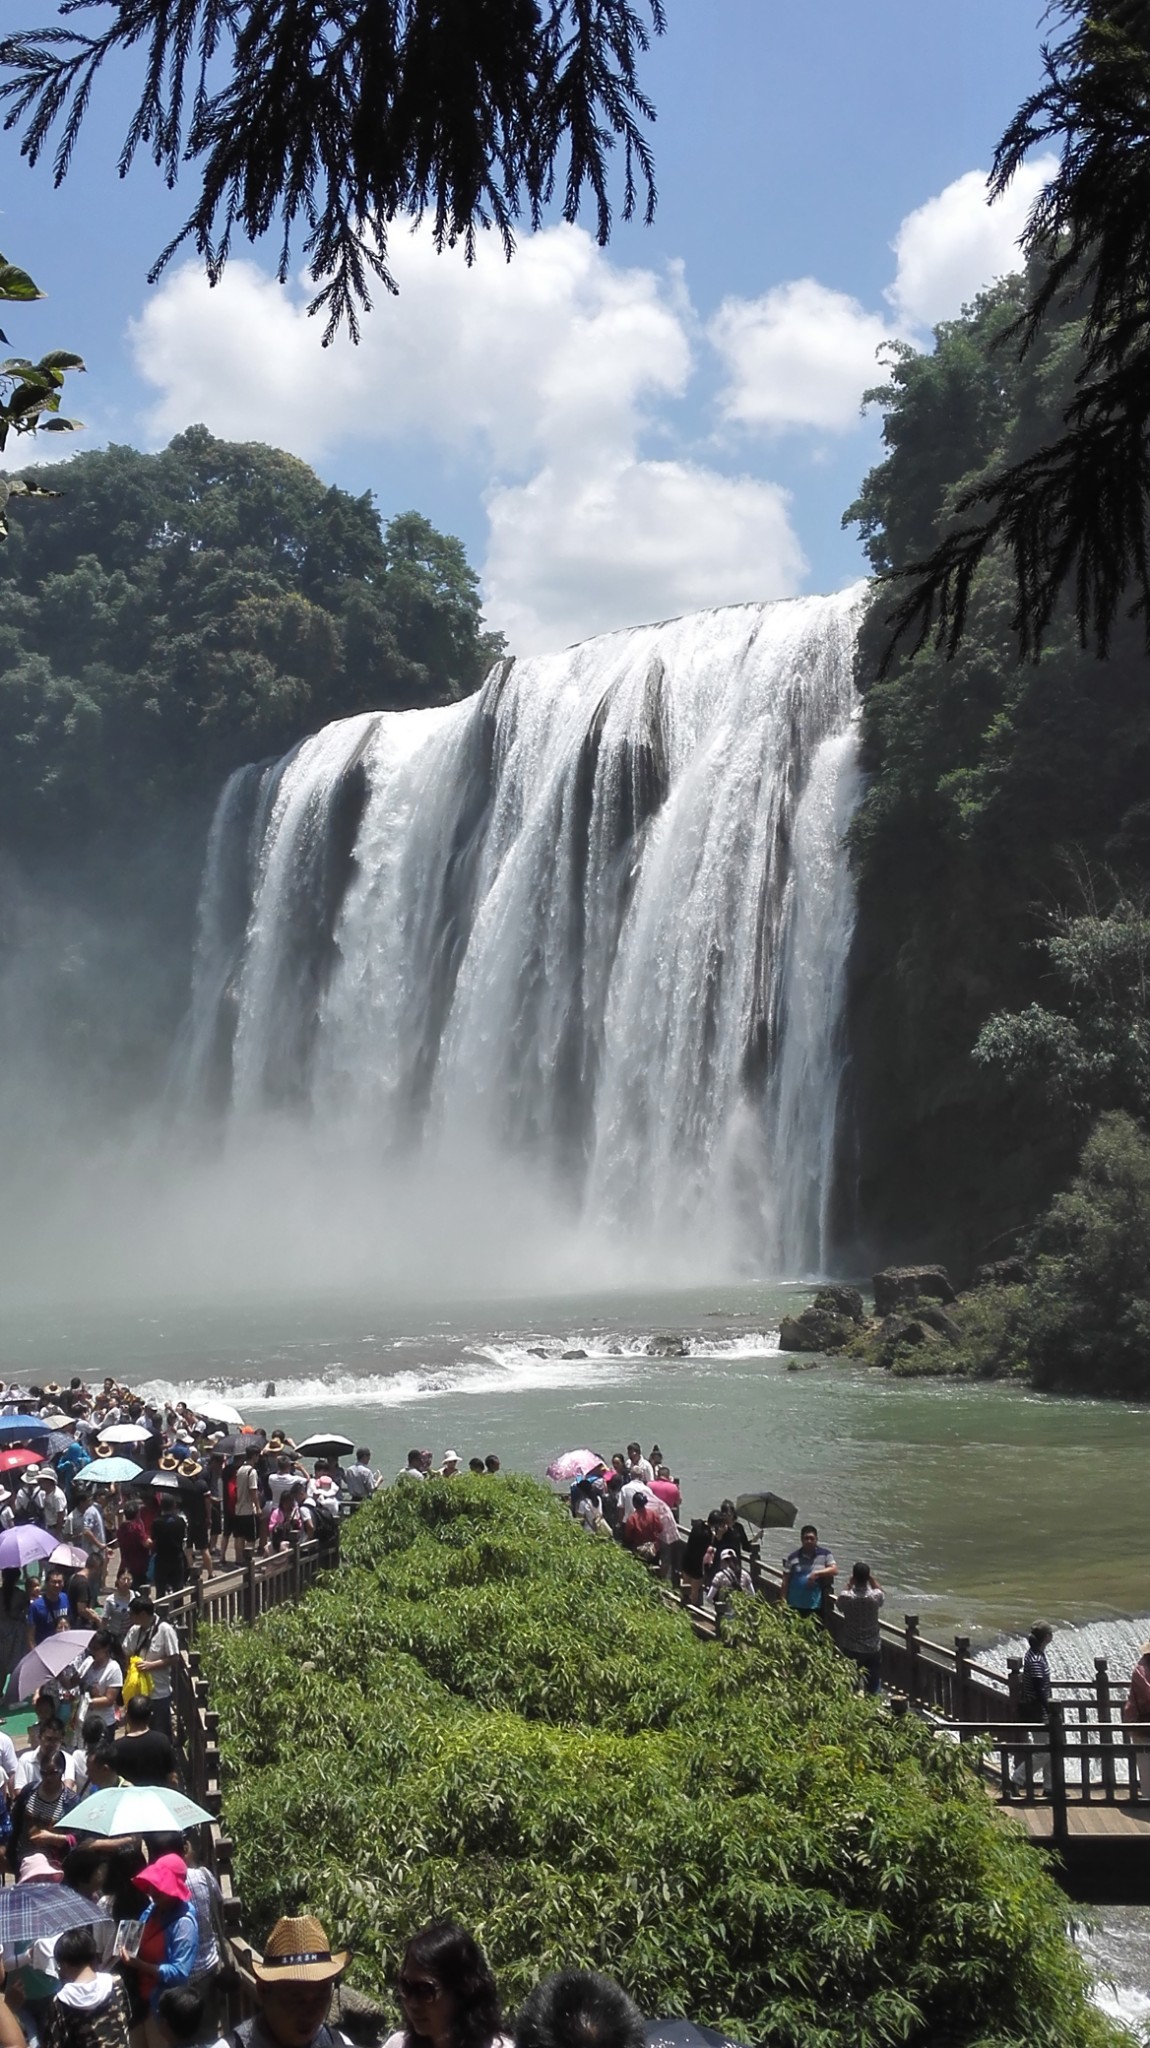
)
(298, 1952)
(168, 1463)
(105, 1450)
(190, 1469)
(52, 1387)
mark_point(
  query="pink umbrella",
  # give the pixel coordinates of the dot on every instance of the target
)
(24, 1544)
(70, 1555)
(49, 1659)
(575, 1465)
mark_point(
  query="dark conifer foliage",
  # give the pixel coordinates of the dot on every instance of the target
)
(336, 116)
(1073, 515)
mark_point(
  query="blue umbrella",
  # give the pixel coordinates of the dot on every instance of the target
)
(111, 1472)
(13, 1427)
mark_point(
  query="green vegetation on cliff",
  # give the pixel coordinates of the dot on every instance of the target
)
(1006, 801)
(485, 1712)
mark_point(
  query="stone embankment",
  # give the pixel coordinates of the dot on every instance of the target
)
(918, 1321)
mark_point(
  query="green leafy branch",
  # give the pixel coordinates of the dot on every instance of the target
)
(29, 392)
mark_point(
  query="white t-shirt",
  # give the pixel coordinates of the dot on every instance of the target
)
(93, 1527)
(247, 1490)
(644, 1470)
(106, 1677)
(28, 1768)
(280, 1483)
(162, 1643)
(7, 1756)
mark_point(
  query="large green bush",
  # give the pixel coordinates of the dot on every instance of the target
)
(485, 1712)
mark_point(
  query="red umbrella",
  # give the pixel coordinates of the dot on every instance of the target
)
(15, 1461)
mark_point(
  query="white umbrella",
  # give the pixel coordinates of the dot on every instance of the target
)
(135, 1810)
(125, 1433)
(52, 1657)
(215, 1410)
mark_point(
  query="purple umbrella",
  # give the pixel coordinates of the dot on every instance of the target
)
(24, 1544)
(49, 1659)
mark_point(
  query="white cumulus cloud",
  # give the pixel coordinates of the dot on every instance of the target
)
(800, 356)
(577, 551)
(955, 245)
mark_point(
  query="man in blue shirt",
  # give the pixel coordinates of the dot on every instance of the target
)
(806, 1571)
(49, 1611)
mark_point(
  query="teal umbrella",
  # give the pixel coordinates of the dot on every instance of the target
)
(135, 1810)
(111, 1472)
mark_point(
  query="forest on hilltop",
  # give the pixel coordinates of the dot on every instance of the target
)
(165, 619)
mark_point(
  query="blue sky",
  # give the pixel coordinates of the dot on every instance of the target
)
(615, 436)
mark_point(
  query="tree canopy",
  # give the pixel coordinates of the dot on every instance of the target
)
(1072, 513)
(340, 115)
(174, 615)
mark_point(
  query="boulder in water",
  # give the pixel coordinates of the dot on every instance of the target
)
(270, 1391)
(840, 1301)
(902, 1286)
(574, 1354)
(666, 1345)
(816, 1329)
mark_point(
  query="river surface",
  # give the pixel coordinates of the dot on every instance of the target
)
(979, 1507)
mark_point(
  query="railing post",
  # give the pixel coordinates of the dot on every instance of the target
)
(962, 1677)
(251, 1587)
(910, 1625)
(1105, 1732)
(1014, 1682)
(1057, 1733)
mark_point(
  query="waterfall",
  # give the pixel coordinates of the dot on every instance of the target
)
(586, 928)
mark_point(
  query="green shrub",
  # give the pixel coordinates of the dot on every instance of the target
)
(486, 1713)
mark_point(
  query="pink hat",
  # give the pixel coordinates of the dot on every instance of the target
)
(40, 1870)
(167, 1877)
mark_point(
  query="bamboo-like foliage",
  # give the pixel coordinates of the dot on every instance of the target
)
(338, 116)
(489, 1713)
(1073, 516)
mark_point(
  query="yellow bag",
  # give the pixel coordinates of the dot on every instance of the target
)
(138, 1685)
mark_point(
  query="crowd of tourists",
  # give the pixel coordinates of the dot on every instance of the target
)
(445, 1990)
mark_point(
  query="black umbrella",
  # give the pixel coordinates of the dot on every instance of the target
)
(766, 1510)
(238, 1446)
(684, 2034)
(321, 1446)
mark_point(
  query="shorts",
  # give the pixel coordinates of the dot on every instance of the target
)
(247, 1527)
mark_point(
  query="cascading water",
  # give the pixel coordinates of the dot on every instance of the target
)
(587, 927)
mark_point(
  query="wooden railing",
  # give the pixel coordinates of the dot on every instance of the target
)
(237, 1596)
(1077, 1762)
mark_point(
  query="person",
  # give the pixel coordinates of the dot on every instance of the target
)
(579, 2009)
(195, 1496)
(171, 1537)
(134, 1542)
(93, 1735)
(294, 1983)
(13, 1621)
(360, 1480)
(859, 1632)
(667, 1489)
(38, 1813)
(447, 1992)
(491, 1462)
(90, 2010)
(208, 1901)
(43, 1501)
(183, 2016)
(101, 1677)
(587, 1508)
(476, 1467)
(49, 1745)
(450, 1465)
(287, 1517)
(86, 1530)
(639, 1467)
(1034, 1706)
(50, 1611)
(691, 1567)
(145, 1755)
(729, 1576)
(117, 1617)
(247, 1509)
(806, 1571)
(642, 1530)
(169, 1939)
(154, 1642)
(1136, 1719)
(414, 1466)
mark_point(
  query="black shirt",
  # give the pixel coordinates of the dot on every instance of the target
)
(147, 1759)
